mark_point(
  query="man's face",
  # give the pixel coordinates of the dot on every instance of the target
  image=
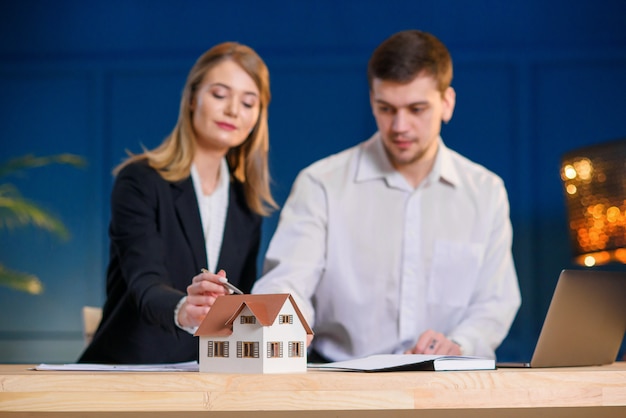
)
(409, 117)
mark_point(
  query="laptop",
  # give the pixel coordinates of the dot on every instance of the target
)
(585, 323)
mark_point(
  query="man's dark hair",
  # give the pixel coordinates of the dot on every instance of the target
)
(410, 53)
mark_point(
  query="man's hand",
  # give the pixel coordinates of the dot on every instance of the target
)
(433, 342)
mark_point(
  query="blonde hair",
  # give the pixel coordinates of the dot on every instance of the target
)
(248, 162)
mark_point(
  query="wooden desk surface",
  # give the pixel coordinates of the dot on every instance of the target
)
(563, 392)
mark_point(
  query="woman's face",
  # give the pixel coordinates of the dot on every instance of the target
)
(225, 107)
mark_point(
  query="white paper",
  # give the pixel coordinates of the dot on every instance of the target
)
(191, 366)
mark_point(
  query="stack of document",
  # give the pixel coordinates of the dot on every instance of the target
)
(377, 363)
(408, 362)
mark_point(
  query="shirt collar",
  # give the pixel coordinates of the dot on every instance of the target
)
(374, 164)
(445, 169)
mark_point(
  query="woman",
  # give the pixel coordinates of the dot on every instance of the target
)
(195, 202)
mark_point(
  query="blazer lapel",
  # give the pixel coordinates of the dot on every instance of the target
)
(186, 205)
(237, 228)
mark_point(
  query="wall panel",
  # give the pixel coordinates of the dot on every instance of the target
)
(533, 80)
(578, 102)
(49, 112)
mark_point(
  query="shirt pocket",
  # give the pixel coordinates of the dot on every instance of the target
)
(454, 272)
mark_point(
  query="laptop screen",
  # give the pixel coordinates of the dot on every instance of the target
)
(586, 320)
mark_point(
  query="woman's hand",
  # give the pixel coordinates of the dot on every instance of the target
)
(201, 295)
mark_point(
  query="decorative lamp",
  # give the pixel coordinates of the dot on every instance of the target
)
(594, 182)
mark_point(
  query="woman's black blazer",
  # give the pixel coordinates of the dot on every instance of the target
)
(156, 246)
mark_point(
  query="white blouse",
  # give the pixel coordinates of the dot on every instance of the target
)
(213, 209)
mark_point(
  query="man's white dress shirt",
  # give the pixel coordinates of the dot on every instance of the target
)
(373, 262)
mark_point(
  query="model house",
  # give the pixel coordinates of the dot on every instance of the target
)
(253, 334)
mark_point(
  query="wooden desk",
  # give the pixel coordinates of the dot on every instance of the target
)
(564, 392)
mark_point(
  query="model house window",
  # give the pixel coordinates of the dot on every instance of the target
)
(274, 349)
(248, 349)
(285, 319)
(296, 349)
(218, 349)
(248, 319)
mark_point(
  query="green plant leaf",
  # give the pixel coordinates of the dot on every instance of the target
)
(20, 281)
(31, 161)
(16, 212)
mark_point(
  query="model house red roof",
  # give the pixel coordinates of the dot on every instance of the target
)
(219, 320)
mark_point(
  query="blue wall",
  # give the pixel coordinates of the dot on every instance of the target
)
(534, 79)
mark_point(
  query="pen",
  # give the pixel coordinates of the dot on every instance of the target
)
(227, 285)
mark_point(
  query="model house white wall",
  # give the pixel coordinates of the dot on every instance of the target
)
(253, 334)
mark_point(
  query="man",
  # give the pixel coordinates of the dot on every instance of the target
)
(399, 244)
